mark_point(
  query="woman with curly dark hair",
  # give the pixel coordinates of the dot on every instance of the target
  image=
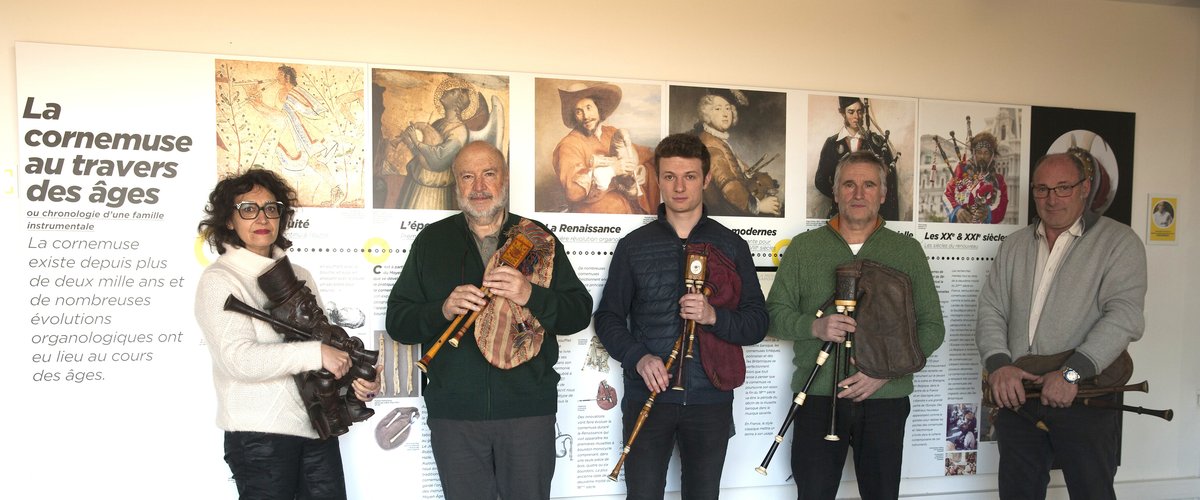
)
(270, 444)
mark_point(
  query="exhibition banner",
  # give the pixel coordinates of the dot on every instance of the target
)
(119, 149)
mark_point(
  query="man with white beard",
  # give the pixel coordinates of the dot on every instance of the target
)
(491, 418)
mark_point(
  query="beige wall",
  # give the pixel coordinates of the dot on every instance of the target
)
(1094, 54)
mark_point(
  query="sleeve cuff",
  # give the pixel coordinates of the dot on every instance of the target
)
(996, 362)
(635, 354)
(1080, 363)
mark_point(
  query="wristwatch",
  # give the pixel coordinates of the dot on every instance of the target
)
(1070, 375)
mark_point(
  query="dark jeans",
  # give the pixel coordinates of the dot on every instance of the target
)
(702, 433)
(511, 459)
(1084, 441)
(276, 466)
(874, 428)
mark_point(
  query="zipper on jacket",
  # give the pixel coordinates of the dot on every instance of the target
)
(683, 375)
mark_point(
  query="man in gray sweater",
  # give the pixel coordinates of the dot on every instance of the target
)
(1073, 280)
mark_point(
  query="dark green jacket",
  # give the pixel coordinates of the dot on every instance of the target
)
(462, 384)
(806, 279)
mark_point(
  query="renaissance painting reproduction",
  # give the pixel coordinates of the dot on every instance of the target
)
(595, 146)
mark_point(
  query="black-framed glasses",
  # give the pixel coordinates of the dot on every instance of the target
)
(248, 210)
(1059, 191)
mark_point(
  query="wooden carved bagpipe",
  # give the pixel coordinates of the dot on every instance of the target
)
(695, 272)
(293, 311)
(1093, 392)
(529, 249)
(884, 345)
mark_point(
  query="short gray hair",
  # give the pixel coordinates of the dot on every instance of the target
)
(857, 157)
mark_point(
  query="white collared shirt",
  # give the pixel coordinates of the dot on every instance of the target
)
(855, 138)
(1048, 262)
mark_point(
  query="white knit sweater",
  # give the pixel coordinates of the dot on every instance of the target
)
(252, 367)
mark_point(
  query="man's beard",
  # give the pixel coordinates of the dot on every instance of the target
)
(499, 204)
(583, 128)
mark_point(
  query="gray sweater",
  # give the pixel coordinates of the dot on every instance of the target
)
(1094, 306)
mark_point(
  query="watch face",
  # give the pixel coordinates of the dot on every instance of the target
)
(1071, 375)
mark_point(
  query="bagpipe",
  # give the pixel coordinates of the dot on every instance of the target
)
(883, 346)
(293, 311)
(880, 144)
(507, 335)
(707, 271)
(1093, 392)
(760, 184)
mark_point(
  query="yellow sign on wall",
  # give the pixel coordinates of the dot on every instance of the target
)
(1162, 223)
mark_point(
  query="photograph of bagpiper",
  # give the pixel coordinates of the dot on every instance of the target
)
(301, 121)
(842, 124)
(1103, 142)
(421, 120)
(972, 161)
(744, 131)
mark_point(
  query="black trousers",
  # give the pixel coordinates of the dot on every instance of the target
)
(279, 467)
(874, 428)
(702, 433)
(1083, 441)
(510, 459)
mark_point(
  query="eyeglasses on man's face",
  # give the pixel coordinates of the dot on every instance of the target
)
(248, 210)
(1059, 191)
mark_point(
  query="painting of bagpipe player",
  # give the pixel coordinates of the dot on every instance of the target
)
(414, 155)
(491, 402)
(977, 192)
(271, 445)
(744, 132)
(647, 309)
(859, 128)
(598, 166)
(1074, 281)
(871, 411)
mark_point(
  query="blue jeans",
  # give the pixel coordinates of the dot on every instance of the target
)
(1084, 441)
(874, 428)
(276, 466)
(511, 459)
(702, 433)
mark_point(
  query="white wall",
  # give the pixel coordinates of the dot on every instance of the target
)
(1094, 54)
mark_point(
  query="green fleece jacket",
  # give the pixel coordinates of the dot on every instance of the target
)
(805, 280)
(462, 384)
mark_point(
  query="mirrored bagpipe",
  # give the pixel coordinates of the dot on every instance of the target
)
(1093, 392)
(884, 345)
(293, 311)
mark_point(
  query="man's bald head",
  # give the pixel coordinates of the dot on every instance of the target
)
(475, 149)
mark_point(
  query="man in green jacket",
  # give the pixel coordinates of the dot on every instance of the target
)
(491, 429)
(871, 413)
